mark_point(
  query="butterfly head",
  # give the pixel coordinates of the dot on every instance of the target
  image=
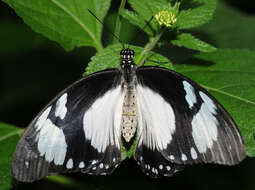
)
(127, 53)
(128, 66)
(127, 58)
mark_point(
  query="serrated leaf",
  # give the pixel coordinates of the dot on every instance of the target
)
(67, 22)
(9, 136)
(201, 13)
(110, 58)
(230, 28)
(134, 19)
(230, 79)
(147, 9)
(189, 41)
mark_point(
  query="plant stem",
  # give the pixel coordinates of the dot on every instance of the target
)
(148, 47)
(118, 22)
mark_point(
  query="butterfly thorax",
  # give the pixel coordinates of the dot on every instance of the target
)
(128, 83)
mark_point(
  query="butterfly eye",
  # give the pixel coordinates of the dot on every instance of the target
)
(132, 53)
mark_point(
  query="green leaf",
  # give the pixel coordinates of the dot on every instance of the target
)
(9, 136)
(230, 28)
(128, 152)
(110, 58)
(147, 8)
(189, 41)
(230, 79)
(127, 32)
(193, 17)
(134, 19)
(67, 22)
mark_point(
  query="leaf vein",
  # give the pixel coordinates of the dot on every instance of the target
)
(234, 85)
(247, 72)
(18, 132)
(228, 94)
(82, 25)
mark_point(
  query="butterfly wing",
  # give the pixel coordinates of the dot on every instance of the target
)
(182, 123)
(152, 161)
(74, 132)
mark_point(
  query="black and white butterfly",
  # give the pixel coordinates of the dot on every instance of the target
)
(175, 121)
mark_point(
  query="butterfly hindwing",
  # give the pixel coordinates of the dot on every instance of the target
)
(183, 122)
(74, 132)
(154, 164)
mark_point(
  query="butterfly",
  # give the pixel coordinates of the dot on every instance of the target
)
(173, 122)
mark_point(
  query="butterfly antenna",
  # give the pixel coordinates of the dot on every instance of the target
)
(147, 24)
(107, 28)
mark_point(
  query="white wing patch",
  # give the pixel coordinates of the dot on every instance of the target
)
(50, 139)
(102, 121)
(42, 118)
(184, 157)
(193, 153)
(156, 119)
(190, 94)
(61, 106)
(208, 102)
(69, 164)
(81, 165)
(51, 142)
(204, 125)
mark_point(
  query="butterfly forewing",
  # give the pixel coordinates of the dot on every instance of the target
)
(77, 131)
(181, 121)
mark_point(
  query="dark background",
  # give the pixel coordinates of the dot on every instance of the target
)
(34, 69)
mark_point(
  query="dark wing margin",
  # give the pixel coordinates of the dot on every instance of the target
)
(183, 122)
(154, 164)
(62, 138)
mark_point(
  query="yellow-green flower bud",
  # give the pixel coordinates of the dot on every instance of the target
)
(166, 18)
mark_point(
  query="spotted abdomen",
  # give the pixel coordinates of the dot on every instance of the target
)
(129, 115)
